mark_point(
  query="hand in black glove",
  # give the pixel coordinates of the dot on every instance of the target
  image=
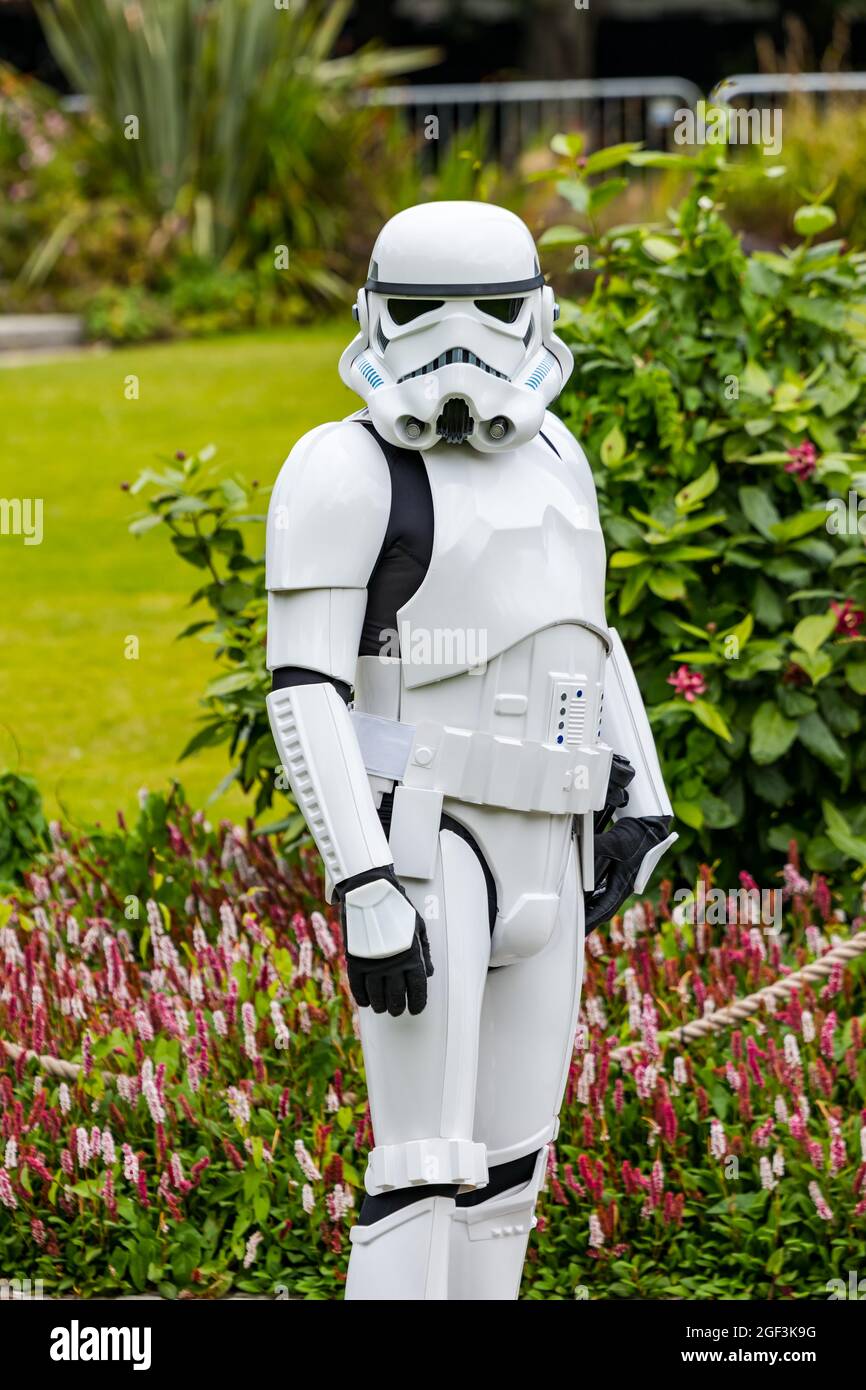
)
(387, 983)
(619, 853)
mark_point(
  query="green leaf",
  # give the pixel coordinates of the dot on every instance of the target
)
(742, 630)
(560, 235)
(759, 510)
(793, 527)
(690, 813)
(855, 675)
(813, 218)
(610, 157)
(604, 193)
(625, 559)
(824, 313)
(660, 248)
(812, 632)
(576, 192)
(756, 380)
(144, 524)
(694, 492)
(666, 585)
(816, 666)
(569, 145)
(815, 735)
(771, 734)
(658, 159)
(613, 447)
(712, 718)
(851, 845)
(227, 685)
(633, 588)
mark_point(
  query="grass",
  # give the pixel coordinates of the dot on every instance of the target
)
(92, 725)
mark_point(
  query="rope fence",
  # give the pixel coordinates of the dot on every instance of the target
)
(768, 997)
(698, 1028)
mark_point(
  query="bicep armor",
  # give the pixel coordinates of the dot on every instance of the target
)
(326, 522)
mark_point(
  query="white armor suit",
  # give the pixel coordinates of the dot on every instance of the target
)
(459, 727)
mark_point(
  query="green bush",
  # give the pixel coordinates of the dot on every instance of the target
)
(211, 521)
(720, 399)
(23, 829)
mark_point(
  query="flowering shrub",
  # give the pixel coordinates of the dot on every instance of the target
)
(210, 1139)
(720, 399)
(216, 1133)
(731, 1167)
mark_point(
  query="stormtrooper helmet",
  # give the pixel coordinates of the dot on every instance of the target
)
(456, 340)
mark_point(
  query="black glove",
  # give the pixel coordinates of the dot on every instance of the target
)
(389, 983)
(619, 853)
(621, 775)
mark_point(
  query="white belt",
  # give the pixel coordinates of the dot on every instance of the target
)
(488, 769)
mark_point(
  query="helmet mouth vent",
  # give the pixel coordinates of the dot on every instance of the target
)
(455, 423)
(448, 359)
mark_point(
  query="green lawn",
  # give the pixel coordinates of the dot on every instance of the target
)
(92, 726)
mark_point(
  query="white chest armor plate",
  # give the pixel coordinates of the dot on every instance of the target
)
(517, 547)
(499, 686)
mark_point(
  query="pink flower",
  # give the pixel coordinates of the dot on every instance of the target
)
(804, 460)
(130, 1164)
(838, 1154)
(305, 1161)
(339, 1201)
(657, 1181)
(763, 1133)
(323, 936)
(828, 1028)
(688, 683)
(718, 1142)
(849, 619)
(821, 1206)
(107, 1194)
(596, 1234)
(7, 1196)
(253, 1244)
(793, 880)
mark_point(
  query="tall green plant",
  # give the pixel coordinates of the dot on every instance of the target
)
(211, 521)
(720, 399)
(204, 102)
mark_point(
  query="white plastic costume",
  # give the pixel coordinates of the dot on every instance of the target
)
(449, 533)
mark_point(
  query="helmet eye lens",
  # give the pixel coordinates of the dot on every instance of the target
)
(405, 310)
(506, 310)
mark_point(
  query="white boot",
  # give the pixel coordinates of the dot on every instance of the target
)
(488, 1242)
(404, 1256)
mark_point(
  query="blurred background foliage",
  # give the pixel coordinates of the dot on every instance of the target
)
(248, 185)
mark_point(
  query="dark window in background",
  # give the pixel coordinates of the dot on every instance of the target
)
(702, 40)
